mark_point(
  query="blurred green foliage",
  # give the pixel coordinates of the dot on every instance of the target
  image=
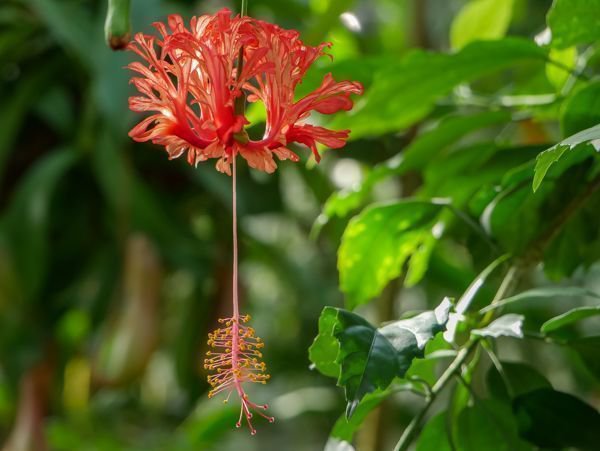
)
(473, 143)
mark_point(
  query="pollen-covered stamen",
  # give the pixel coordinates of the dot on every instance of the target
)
(235, 358)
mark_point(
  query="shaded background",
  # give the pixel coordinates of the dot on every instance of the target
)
(115, 263)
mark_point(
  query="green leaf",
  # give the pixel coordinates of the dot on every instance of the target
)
(434, 436)
(510, 325)
(325, 348)
(551, 419)
(27, 219)
(371, 358)
(416, 156)
(568, 318)
(480, 20)
(69, 24)
(488, 425)
(405, 92)
(542, 293)
(378, 242)
(345, 428)
(588, 349)
(574, 22)
(581, 110)
(562, 64)
(573, 145)
(516, 378)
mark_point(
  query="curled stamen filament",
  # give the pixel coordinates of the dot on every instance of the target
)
(234, 359)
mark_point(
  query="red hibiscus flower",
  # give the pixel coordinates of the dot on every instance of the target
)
(193, 80)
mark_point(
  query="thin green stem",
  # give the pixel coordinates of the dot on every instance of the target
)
(441, 383)
(244, 8)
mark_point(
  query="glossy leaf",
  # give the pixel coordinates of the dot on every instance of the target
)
(552, 419)
(568, 318)
(414, 157)
(378, 242)
(574, 22)
(371, 358)
(570, 147)
(581, 110)
(480, 20)
(345, 428)
(510, 325)
(404, 93)
(434, 436)
(516, 379)
(488, 425)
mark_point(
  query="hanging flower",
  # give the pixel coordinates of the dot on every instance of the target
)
(192, 84)
(195, 81)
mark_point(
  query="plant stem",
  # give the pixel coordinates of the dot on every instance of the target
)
(507, 284)
(236, 312)
(441, 383)
(244, 8)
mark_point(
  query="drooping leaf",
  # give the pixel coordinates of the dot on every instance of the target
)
(370, 358)
(378, 242)
(568, 318)
(405, 92)
(488, 425)
(581, 110)
(480, 20)
(574, 22)
(575, 147)
(552, 419)
(434, 436)
(510, 325)
(345, 428)
(516, 378)
(540, 294)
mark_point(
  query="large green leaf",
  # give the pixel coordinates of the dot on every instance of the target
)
(574, 22)
(569, 151)
(345, 428)
(479, 20)
(416, 156)
(378, 242)
(405, 92)
(515, 379)
(568, 318)
(581, 110)
(556, 420)
(434, 436)
(370, 358)
(488, 425)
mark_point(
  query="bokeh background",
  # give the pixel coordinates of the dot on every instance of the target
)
(115, 262)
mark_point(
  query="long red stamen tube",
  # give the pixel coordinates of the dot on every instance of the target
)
(235, 356)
